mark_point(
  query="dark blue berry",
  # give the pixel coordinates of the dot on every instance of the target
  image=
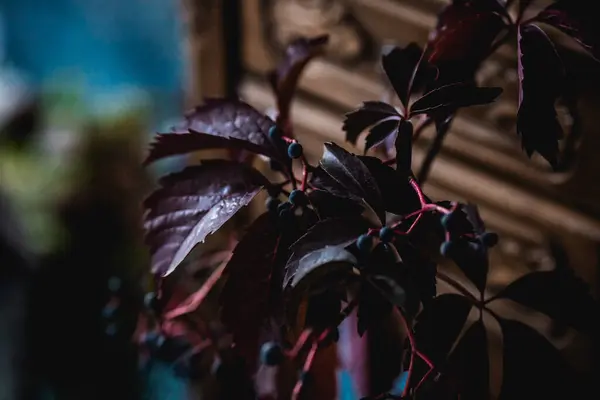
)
(489, 239)
(274, 133)
(272, 204)
(298, 198)
(150, 300)
(295, 150)
(446, 248)
(447, 220)
(271, 354)
(365, 243)
(386, 234)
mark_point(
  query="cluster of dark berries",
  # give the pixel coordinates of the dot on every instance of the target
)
(294, 149)
(365, 242)
(486, 239)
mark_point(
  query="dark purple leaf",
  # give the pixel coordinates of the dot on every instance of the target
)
(369, 114)
(422, 271)
(390, 289)
(532, 367)
(399, 65)
(333, 232)
(192, 204)
(373, 308)
(472, 212)
(469, 363)
(379, 132)
(576, 19)
(314, 267)
(438, 326)
(285, 78)
(449, 98)
(463, 38)
(173, 144)
(245, 295)
(353, 175)
(472, 259)
(403, 147)
(398, 196)
(541, 76)
(559, 294)
(327, 205)
(230, 119)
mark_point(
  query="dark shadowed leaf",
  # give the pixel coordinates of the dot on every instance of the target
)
(192, 204)
(559, 294)
(472, 259)
(323, 308)
(372, 308)
(541, 75)
(439, 325)
(245, 296)
(173, 144)
(325, 262)
(576, 19)
(472, 212)
(422, 271)
(367, 115)
(353, 175)
(463, 38)
(399, 65)
(469, 363)
(327, 205)
(403, 147)
(389, 288)
(379, 132)
(285, 78)
(333, 232)
(449, 98)
(398, 196)
(532, 367)
(230, 119)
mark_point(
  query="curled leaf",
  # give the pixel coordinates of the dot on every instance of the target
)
(339, 232)
(369, 114)
(230, 119)
(449, 98)
(327, 261)
(285, 78)
(192, 204)
(167, 145)
(348, 171)
(541, 76)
